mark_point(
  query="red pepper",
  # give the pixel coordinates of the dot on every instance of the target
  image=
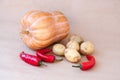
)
(44, 50)
(87, 65)
(47, 58)
(31, 59)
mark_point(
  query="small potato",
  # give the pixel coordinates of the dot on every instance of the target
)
(73, 45)
(72, 55)
(59, 49)
(76, 38)
(87, 48)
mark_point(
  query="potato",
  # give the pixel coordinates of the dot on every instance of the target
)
(72, 55)
(87, 48)
(73, 45)
(76, 38)
(58, 49)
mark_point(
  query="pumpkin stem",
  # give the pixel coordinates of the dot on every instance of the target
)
(25, 32)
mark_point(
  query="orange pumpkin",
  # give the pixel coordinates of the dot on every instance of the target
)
(40, 29)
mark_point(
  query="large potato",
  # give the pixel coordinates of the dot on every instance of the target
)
(72, 55)
(59, 49)
(87, 48)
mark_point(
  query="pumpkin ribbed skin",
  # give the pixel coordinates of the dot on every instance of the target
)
(40, 29)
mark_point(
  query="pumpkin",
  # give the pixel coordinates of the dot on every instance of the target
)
(40, 29)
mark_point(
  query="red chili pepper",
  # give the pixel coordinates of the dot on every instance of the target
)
(31, 59)
(87, 65)
(47, 58)
(44, 50)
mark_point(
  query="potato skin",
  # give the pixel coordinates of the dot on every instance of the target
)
(76, 38)
(58, 49)
(87, 48)
(72, 55)
(73, 45)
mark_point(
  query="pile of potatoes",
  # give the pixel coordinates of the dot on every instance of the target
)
(74, 48)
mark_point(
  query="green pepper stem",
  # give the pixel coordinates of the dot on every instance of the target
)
(76, 66)
(40, 63)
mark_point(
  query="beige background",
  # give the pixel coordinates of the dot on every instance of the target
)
(95, 20)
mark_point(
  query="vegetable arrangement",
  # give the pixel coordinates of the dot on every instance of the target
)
(72, 53)
(41, 29)
(76, 48)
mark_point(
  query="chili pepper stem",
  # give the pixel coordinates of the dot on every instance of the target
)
(57, 60)
(78, 66)
(41, 63)
(44, 65)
